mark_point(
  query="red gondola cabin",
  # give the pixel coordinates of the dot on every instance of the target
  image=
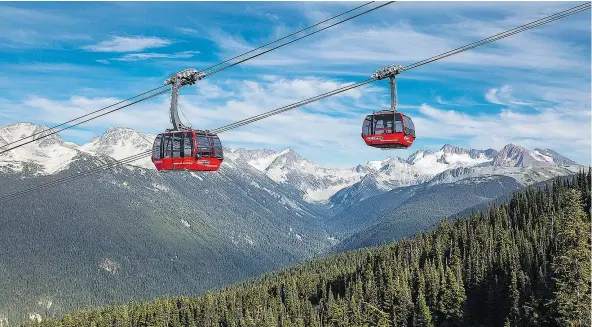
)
(388, 130)
(187, 150)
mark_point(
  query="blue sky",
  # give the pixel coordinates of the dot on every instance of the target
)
(61, 60)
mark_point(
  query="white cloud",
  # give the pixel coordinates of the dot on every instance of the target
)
(463, 101)
(186, 30)
(567, 132)
(541, 66)
(491, 96)
(503, 96)
(364, 47)
(262, 14)
(332, 125)
(151, 115)
(152, 55)
(128, 44)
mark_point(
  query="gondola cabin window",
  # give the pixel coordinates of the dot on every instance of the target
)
(204, 147)
(177, 138)
(217, 148)
(167, 148)
(398, 124)
(156, 151)
(188, 144)
(367, 126)
(409, 127)
(383, 124)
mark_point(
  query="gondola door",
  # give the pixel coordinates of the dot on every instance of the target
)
(188, 150)
(167, 151)
(182, 155)
(177, 140)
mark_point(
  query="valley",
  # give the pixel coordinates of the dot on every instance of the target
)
(131, 233)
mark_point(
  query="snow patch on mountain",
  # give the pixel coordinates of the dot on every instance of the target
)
(110, 266)
(160, 187)
(119, 143)
(196, 176)
(541, 157)
(260, 159)
(552, 156)
(420, 167)
(377, 164)
(47, 156)
(314, 183)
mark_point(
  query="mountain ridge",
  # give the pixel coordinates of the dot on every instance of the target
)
(260, 211)
(316, 184)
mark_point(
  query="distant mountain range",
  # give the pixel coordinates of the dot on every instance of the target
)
(131, 232)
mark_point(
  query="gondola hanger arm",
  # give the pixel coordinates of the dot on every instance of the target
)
(390, 72)
(179, 79)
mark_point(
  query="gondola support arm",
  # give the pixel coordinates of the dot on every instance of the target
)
(176, 81)
(390, 72)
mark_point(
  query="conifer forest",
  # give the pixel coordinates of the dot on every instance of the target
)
(521, 263)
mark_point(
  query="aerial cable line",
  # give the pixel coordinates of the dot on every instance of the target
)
(300, 38)
(204, 74)
(519, 29)
(72, 177)
(473, 45)
(85, 115)
(76, 176)
(287, 36)
(84, 121)
(290, 107)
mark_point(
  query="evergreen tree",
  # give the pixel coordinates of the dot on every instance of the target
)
(571, 265)
(521, 264)
(422, 316)
(452, 300)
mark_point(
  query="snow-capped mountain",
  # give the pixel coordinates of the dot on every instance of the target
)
(258, 158)
(517, 156)
(119, 143)
(46, 156)
(556, 157)
(419, 168)
(317, 184)
(451, 164)
(260, 211)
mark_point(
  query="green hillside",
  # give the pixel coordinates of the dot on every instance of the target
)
(523, 263)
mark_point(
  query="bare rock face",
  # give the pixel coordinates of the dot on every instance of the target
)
(110, 266)
(517, 156)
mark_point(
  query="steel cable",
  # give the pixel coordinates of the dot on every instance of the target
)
(488, 40)
(208, 74)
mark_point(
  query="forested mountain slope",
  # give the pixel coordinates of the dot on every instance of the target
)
(523, 263)
(404, 211)
(134, 234)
